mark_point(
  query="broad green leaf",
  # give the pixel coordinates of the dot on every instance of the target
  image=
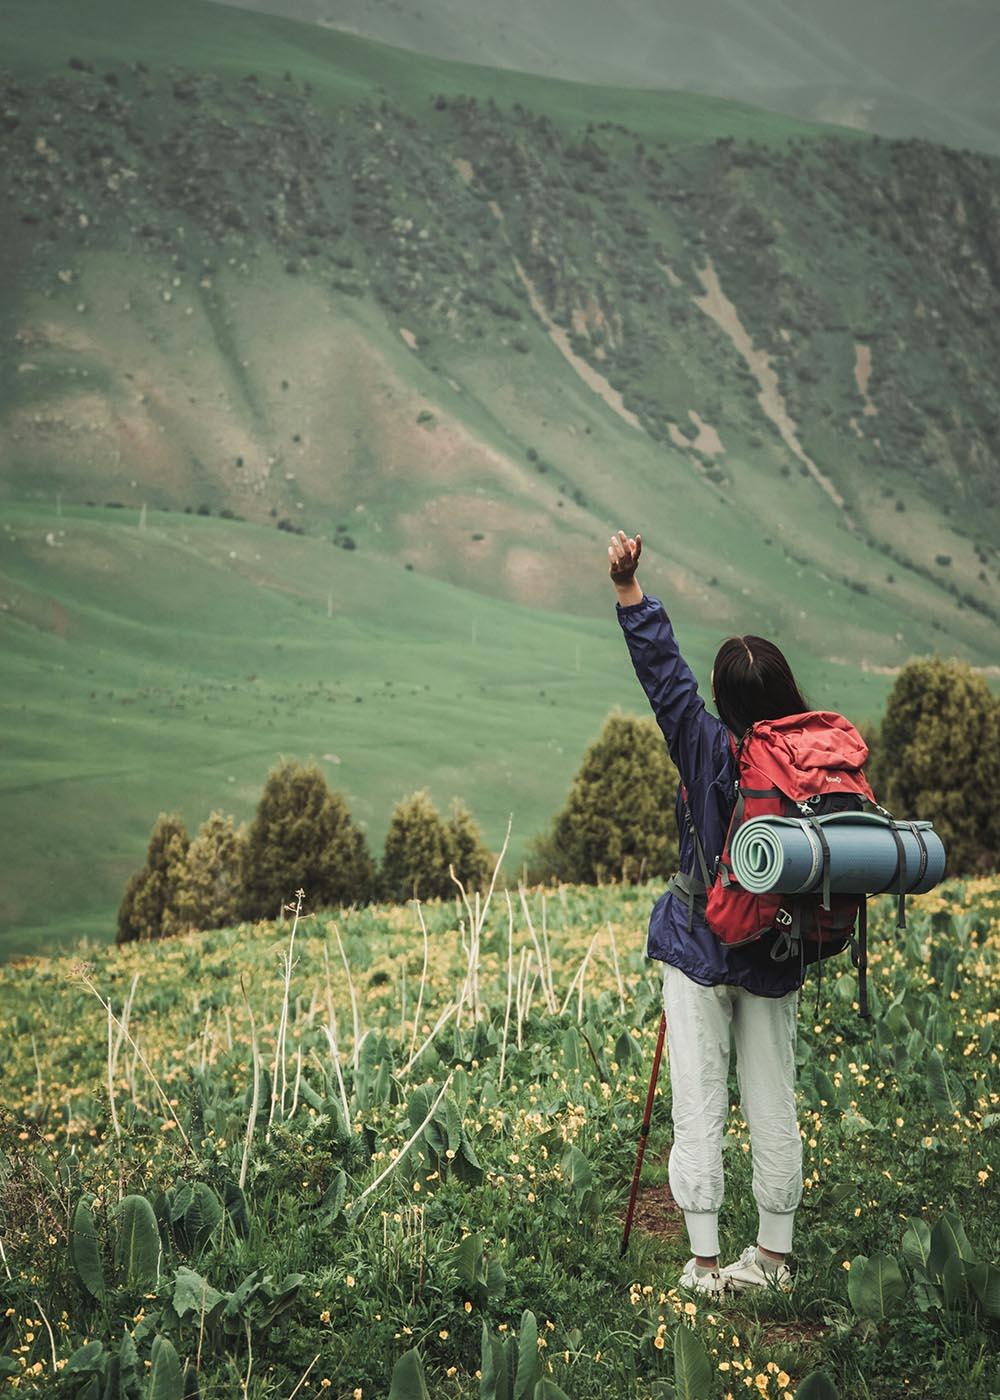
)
(624, 1050)
(817, 1386)
(193, 1295)
(453, 1123)
(917, 1243)
(466, 1165)
(468, 1258)
(235, 1203)
(948, 1238)
(875, 1286)
(333, 1201)
(242, 1294)
(408, 1378)
(939, 1088)
(85, 1250)
(824, 1087)
(202, 1216)
(89, 1357)
(953, 1284)
(548, 1390)
(496, 1280)
(178, 1201)
(129, 1366)
(527, 1358)
(489, 1370)
(137, 1249)
(985, 1281)
(165, 1381)
(576, 1169)
(692, 1370)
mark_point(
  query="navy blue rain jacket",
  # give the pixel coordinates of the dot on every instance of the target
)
(700, 748)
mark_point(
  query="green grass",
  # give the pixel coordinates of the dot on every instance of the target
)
(898, 1121)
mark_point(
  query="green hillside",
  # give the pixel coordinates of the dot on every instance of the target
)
(165, 668)
(435, 330)
(899, 67)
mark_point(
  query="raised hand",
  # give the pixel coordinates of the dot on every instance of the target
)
(623, 556)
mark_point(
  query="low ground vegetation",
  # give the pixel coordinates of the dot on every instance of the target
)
(363, 1159)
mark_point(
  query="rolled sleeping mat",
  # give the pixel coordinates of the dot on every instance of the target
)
(784, 855)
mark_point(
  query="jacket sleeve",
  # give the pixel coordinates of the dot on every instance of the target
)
(698, 742)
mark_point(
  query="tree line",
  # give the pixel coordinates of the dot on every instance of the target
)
(936, 756)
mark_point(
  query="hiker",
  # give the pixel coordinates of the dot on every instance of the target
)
(713, 992)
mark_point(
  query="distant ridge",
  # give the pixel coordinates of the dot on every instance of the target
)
(903, 68)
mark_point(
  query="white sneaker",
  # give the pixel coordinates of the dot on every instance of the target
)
(703, 1280)
(751, 1270)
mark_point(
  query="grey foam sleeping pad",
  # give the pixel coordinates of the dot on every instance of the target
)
(784, 855)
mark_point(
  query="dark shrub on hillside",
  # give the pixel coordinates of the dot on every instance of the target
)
(938, 758)
(149, 905)
(417, 852)
(420, 847)
(472, 861)
(209, 893)
(302, 837)
(618, 821)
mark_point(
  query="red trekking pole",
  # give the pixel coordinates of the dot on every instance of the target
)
(644, 1133)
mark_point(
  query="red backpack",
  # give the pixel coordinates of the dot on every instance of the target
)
(800, 766)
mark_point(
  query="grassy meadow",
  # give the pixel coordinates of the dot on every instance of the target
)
(338, 1156)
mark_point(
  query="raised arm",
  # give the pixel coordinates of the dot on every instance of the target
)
(698, 742)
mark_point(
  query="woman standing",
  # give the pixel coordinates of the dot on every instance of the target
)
(714, 994)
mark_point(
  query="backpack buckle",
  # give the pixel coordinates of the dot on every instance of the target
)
(783, 917)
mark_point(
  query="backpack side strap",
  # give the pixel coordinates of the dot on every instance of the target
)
(859, 956)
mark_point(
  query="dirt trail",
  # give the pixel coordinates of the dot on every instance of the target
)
(862, 376)
(706, 441)
(717, 305)
(559, 337)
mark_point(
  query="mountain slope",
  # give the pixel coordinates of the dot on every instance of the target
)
(431, 346)
(902, 69)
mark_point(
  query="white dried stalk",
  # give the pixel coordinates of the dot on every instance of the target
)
(423, 978)
(111, 1077)
(550, 1000)
(579, 973)
(331, 1035)
(406, 1146)
(446, 1014)
(255, 1101)
(618, 975)
(354, 999)
(279, 1043)
(510, 987)
(86, 982)
(298, 1080)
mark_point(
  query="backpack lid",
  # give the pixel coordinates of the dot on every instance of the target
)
(803, 755)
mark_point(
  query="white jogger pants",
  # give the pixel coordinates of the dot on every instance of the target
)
(700, 1023)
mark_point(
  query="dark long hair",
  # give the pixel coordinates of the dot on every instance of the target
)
(753, 681)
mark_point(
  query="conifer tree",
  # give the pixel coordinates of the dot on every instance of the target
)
(618, 820)
(418, 849)
(467, 851)
(210, 891)
(938, 759)
(302, 837)
(149, 905)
